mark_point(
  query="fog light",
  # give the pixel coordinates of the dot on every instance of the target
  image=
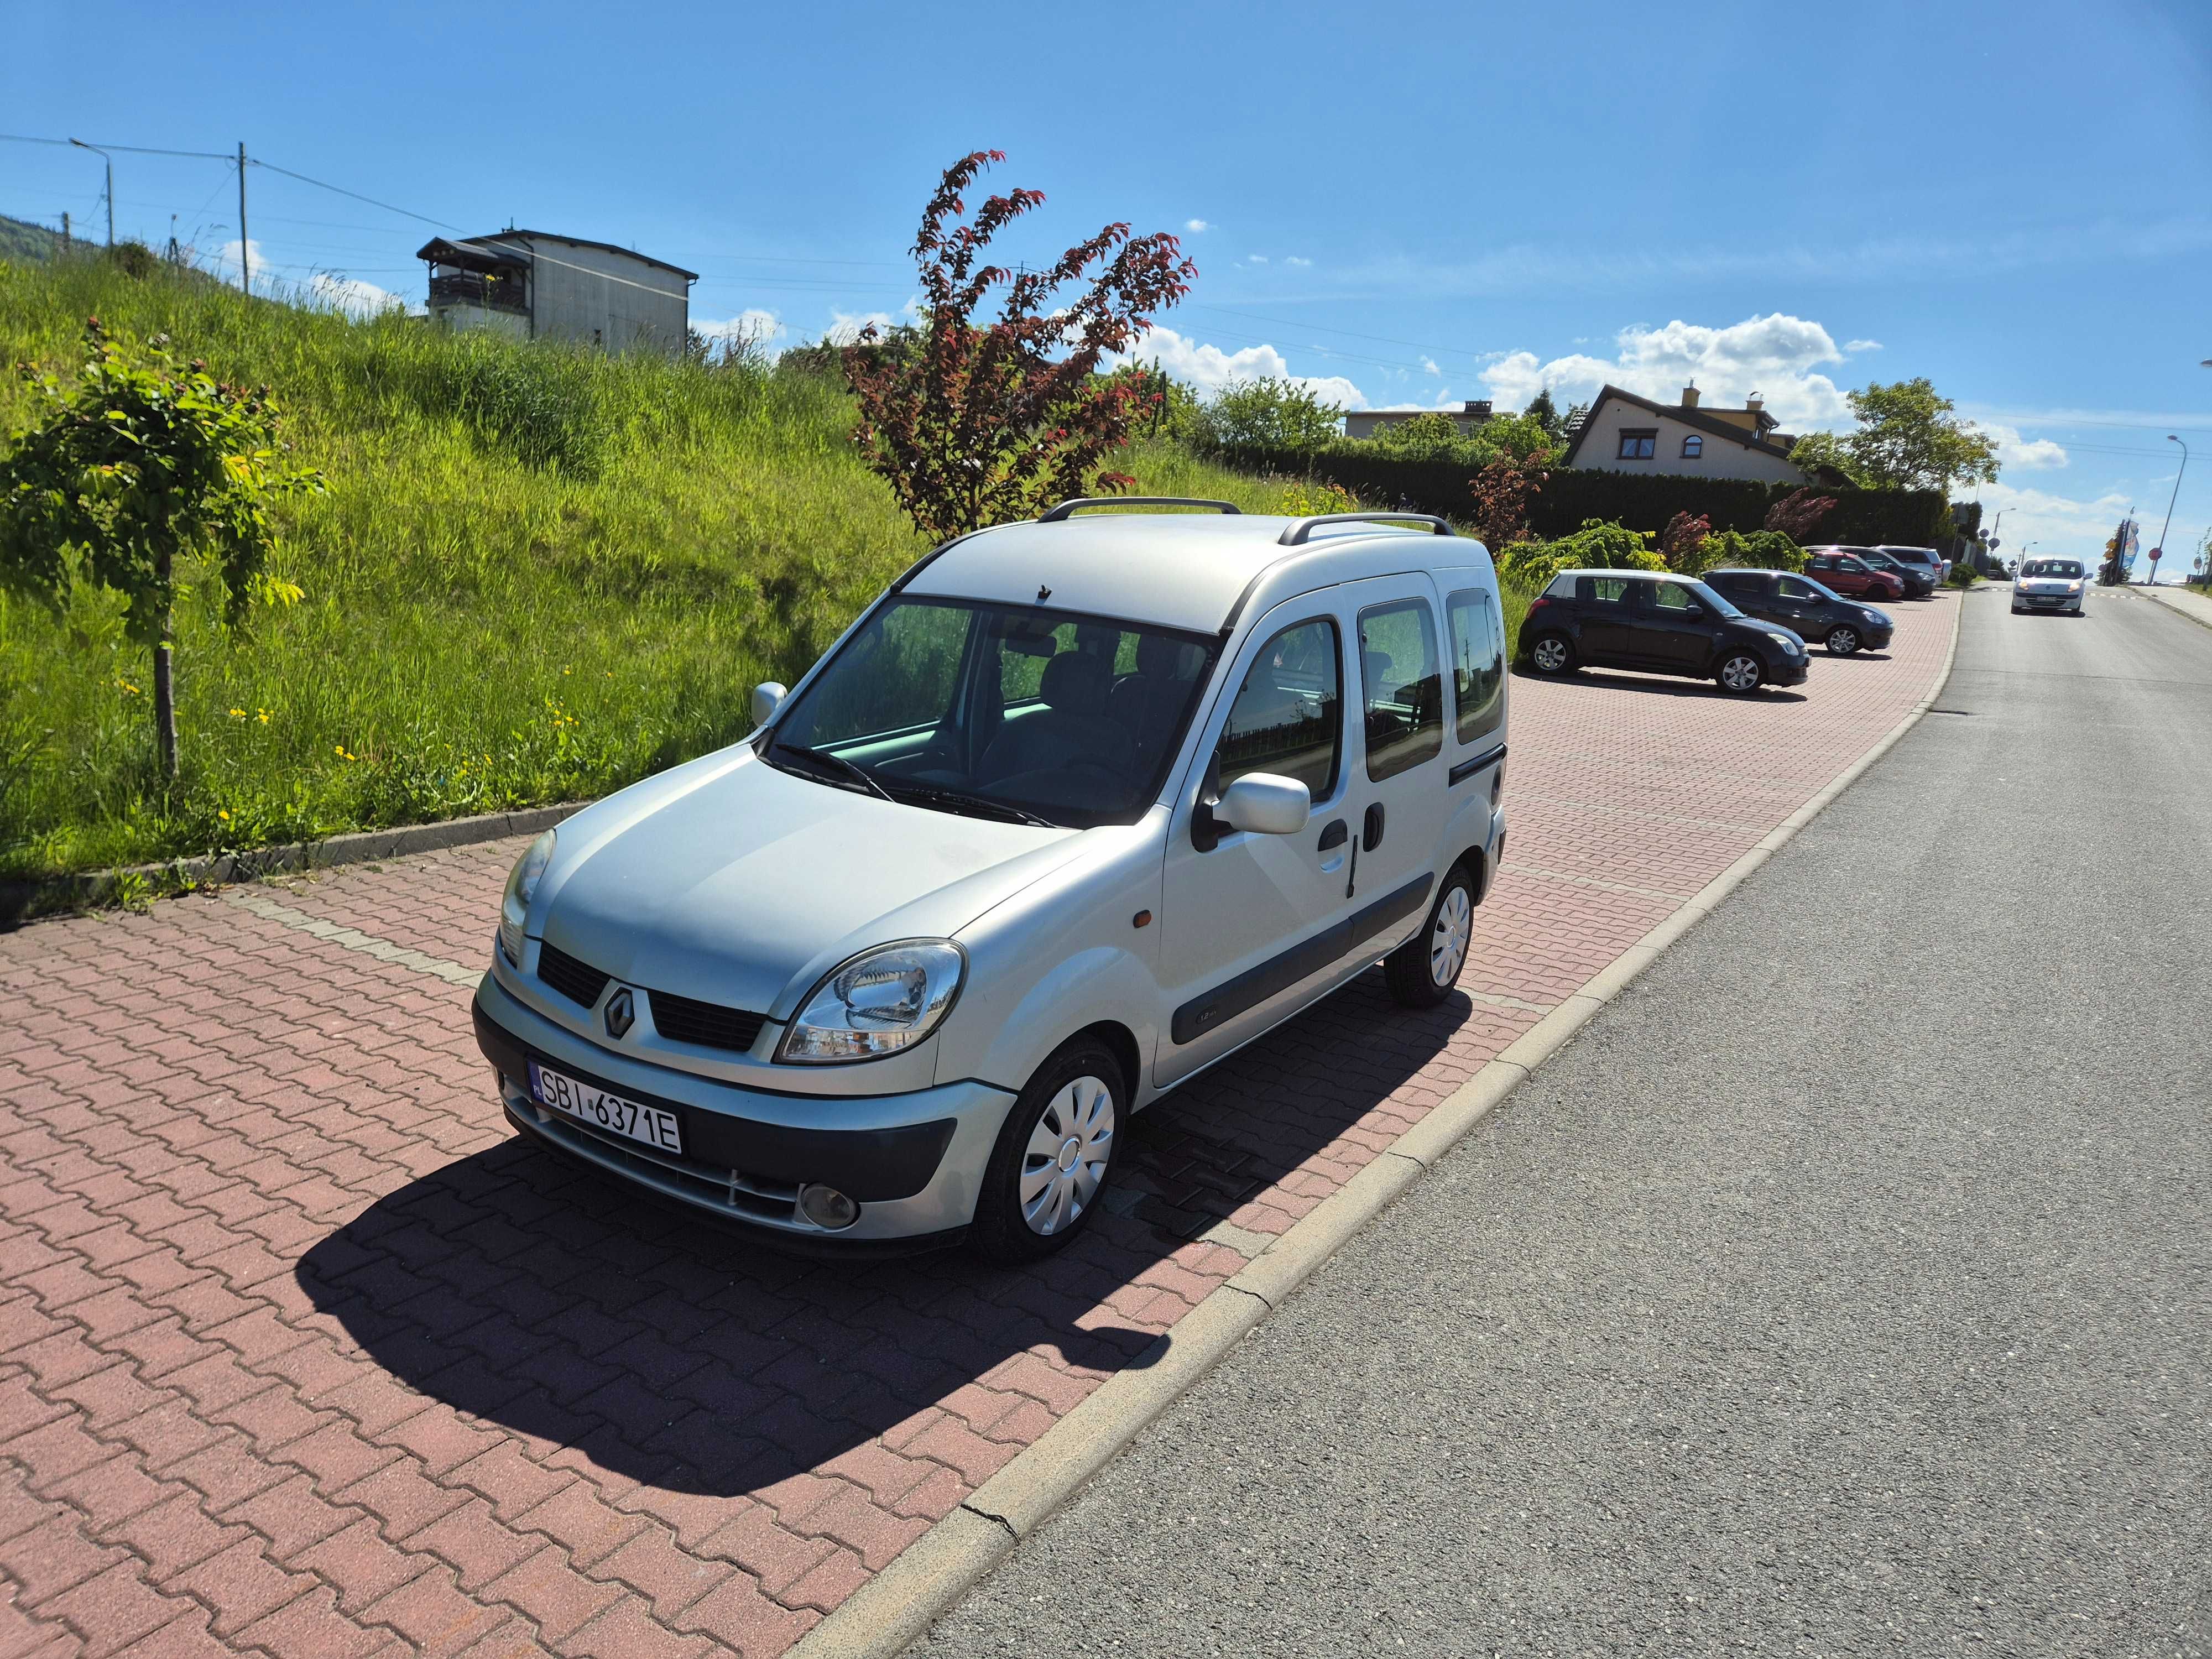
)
(828, 1208)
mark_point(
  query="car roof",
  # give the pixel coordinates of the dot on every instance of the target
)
(1185, 570)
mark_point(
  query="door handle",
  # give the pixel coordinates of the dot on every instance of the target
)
(1334, 834)
(1370, 835)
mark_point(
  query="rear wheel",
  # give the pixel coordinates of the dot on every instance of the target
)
(1842, 640)
(1053, 1156)
(1740, 673)
(1422, 971)
(1553, 654)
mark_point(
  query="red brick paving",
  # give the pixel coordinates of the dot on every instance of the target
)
(301, 1353)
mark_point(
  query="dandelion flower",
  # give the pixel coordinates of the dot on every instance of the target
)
(225, 816)
(238, 713)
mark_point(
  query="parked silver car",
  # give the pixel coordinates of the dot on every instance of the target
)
(1076, 808)
(2049, 584)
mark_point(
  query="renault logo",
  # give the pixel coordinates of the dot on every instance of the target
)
(621, 1012)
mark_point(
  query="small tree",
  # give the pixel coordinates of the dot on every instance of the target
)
(1682, 543)
(1502, 492)
(145, 464)
(983, 423)
(1796, 514)
(1545, 413)
(1433, 436)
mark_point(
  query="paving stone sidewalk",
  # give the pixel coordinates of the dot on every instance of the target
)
(300, 1353)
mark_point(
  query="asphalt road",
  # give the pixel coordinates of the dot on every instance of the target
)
(1843, 1288)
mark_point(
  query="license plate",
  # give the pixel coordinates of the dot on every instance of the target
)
(603, 1110)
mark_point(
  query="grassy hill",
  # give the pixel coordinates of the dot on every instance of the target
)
(538, 575)
(21, 240)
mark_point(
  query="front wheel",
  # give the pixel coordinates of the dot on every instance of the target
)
(1842, 640)
(1422, 971)
(1740, 673)
(1053, 1156)
(1553, 654)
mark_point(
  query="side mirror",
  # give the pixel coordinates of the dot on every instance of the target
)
(767, 697)
(1693, 611)
(1265, 805)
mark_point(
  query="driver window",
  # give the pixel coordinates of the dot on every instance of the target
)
(1285, 720)
(1796, 589)
(1404, 688)
(1672, 596)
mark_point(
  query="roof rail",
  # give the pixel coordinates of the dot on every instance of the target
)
(1067, 510)
(1301, 533)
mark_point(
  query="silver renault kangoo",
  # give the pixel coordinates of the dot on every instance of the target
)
(2049, 584)
(1077, 807)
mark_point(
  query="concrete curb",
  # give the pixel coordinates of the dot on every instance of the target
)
(26, 901)
(2192, 606)
(900, 1603)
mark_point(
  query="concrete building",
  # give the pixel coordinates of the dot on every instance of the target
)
(532, 284)
(1366, 423)
(1623, 432)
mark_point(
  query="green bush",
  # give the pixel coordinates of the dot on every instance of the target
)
(1733, 549)
(1267, 415)
(1596, 546)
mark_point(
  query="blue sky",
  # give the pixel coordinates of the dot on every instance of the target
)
(1412, 204)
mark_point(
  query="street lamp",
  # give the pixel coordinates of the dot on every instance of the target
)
(2170, 501)
(109, 160)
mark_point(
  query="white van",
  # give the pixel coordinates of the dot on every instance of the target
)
(1076, 808)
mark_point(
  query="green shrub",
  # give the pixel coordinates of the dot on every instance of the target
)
(1271, 414)
(1761, 550)
(1596, 546)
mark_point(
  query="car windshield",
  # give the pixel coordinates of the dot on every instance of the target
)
(2065, 569)
(997, 710)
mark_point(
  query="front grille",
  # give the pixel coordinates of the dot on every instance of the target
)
(579, 981)
(710, 1025)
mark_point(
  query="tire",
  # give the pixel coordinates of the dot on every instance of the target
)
(1034, 1199)
(1843, 640)
(1552, 655)
(1740, 673)
(1422, 972)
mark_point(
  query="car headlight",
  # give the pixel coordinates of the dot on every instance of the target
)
(1877, 618)
(521, 888)
(1789, 642)
(881, 1002)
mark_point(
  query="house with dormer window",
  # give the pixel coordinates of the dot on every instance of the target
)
(1626, 433)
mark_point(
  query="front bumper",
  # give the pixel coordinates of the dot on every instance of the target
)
(914, 1162)
(1782, 671)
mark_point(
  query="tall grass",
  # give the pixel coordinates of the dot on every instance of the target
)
(539, 573)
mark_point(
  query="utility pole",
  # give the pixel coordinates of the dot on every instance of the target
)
(109, 160)
(65, 232)
(245, 258)
(2170, 501)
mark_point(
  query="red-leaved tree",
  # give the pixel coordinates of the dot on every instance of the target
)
(982, 422)
(1502, 492)
(1796, 514)
(1683, 540)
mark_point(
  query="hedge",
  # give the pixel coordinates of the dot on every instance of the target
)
(1908, 518)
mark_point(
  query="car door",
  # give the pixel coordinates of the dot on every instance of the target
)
(1803, 608)
(1675, 630)
(1605, 635)
(1401, 795)
(1249, 922)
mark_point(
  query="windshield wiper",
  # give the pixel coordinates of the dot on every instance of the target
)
(866, 778)
(953, 800)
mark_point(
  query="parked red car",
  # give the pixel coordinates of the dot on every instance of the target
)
(1846, 573)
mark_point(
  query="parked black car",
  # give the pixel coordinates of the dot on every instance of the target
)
(1659, 624)
(1919, 580)
(1806, 609)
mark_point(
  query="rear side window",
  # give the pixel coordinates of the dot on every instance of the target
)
(1602, 590)
(1733, 582)
(1287, 719)
(1478, 645)
(1403, 685)
(1562, 587)
(1671, 598)
(1794, 589)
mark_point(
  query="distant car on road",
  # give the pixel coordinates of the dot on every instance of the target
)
(1843, 572)
(1660, 625)
(1805, 609)
(2049, 584)
(1919, 582)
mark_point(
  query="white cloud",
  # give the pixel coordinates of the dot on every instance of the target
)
(2060, 525)
(1295, 260)
(1196, 227)
(223, 262)
(350, 295)
(753, 325)
(1210, 368)
(1429, 366)
(845, 326)
(2028, 454)
(1776, 355)
(1255, 259)
(1861, 345)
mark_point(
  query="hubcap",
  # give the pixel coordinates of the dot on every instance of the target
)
(1551, 655)
(1066, 1155)
(1843, 641)
(1740, 673)
(1448, 939)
